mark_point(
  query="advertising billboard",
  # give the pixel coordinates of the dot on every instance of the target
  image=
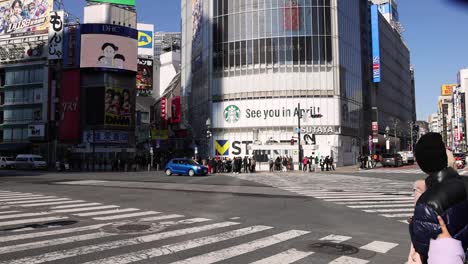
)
(272, 112)
(118, 107)
(117, 2)
(69, 123)
(23, 51)
(376, 67)
(447, 89)
(145, 75)
(108, 46)
(56, 38)
(197, 19)
(105, 137)
(24, 17)
(145, 39)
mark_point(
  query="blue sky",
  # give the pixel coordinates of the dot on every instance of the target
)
(436, 34)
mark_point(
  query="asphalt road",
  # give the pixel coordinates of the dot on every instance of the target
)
(246, 218)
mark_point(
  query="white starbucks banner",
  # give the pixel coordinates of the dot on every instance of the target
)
(276, 112)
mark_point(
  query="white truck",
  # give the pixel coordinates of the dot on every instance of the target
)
(408, 157)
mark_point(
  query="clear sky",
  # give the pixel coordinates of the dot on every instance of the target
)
(436, 33)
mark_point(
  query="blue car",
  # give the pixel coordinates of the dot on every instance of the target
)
(185, 167)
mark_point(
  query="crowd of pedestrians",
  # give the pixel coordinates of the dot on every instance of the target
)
(236, 165)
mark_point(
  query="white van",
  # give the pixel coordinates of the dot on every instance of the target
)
(7, 163)
(30, 162)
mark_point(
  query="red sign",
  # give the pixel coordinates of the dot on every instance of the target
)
(69, 123)
(291, 15)
(175, 110)
(163, 108)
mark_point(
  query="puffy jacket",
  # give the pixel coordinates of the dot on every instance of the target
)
(446, 251)
(446, 195)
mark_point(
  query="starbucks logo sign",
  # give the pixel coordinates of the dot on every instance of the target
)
(232, 114)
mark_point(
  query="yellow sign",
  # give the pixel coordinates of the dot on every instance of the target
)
(145, 39)
(222, 147)
(159, 134)
(447, 89)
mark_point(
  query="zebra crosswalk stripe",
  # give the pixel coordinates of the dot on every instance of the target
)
(115, 217)
(26, 198)
(348, 260)
(186, 221)
(336, 238)
(397, 215)
(74, 210)
(390, 210)
(383, 198)
(51, 203)
(67, 253)
(38, 201)
(10, 216)
(53, 242)
(286, 257)
(177, 247)
(51, 233)
(379, 246)
(113, 211)
(9, 212)
(244, 248)
(381, 206)
(75, 205)
(163, 217)
(28, 221)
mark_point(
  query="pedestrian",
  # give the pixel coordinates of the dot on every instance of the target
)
(446, 196)
(253, 164)
(245, 164)
(271, 164)
(305, 161)
(322, 166)
(332, 166)
(285, 164)
(310, 163)
(327, 163)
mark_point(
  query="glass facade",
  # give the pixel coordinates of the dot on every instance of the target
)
(256, 33)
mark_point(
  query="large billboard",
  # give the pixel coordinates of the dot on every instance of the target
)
(24, 17)
(145, 39)
(376, 67)
(69, 123)
(276, 112)
(145, 75)
(117, 2)
(108, 46)
(118, 107)
(197, 21)
(447, 89)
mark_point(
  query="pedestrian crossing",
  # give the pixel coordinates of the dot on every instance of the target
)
(179, 239)
(388, 198)
(411, 170)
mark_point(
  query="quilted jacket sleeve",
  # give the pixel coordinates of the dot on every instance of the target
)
(423, 228)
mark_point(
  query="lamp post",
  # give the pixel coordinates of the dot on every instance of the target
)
(208, 135)
(299, 116)
(387, 139)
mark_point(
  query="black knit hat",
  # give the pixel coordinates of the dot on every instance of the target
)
(430, 153)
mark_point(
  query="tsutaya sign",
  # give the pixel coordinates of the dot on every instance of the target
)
(319, 130)
(316, 112)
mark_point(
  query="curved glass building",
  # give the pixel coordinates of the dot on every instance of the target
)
(253, 71)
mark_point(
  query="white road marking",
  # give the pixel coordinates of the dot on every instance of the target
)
(113, 211)
(163, 217)
(363, 196)
(396, 215)
(9, 212)
(13, 195)
(28, 221)
(50, 233)
(39, 201)
(3, 217)
(379, 246)
(286, 257)
(186, 221)
(75, 205)
(390, 210)
(403, 221)
(371, 199)
(382, 202)
(348, 260)
(68, 253)
(26, 198)
(244, 248)
(115, 217)
(86, 209)
(335, 238)
(84, 182)
(51, 203)
(381, 206)
(174, 248)
(52, 242)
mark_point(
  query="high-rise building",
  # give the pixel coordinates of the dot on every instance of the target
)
(433, 121)
(445, 113)
(252, 71)
(165, 42)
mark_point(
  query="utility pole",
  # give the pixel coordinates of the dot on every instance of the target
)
(299, 116)
(411, 129)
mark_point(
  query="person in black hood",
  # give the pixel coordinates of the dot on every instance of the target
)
(446, 196)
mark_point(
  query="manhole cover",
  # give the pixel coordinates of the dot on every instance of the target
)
(329, 248)
(133, 228)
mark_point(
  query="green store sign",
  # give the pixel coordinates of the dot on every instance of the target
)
(117, 2)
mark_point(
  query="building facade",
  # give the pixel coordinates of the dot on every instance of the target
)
(445, 113)
(255, 71)
(433, 121)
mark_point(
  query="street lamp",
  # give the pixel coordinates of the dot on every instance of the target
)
(208, 134)
(387, 139)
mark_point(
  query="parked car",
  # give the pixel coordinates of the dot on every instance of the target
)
(460, 157)
(408, 157)
(392, 160)
(7, 163)
(185, 167)
(30, 162)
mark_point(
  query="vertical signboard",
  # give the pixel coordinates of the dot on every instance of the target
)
(447, 89)
(56, 35)
(118, 107)
(175, 110)
(145, 39)
(69, 123)
(376, 67)
(163, 108)
(145, 75)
